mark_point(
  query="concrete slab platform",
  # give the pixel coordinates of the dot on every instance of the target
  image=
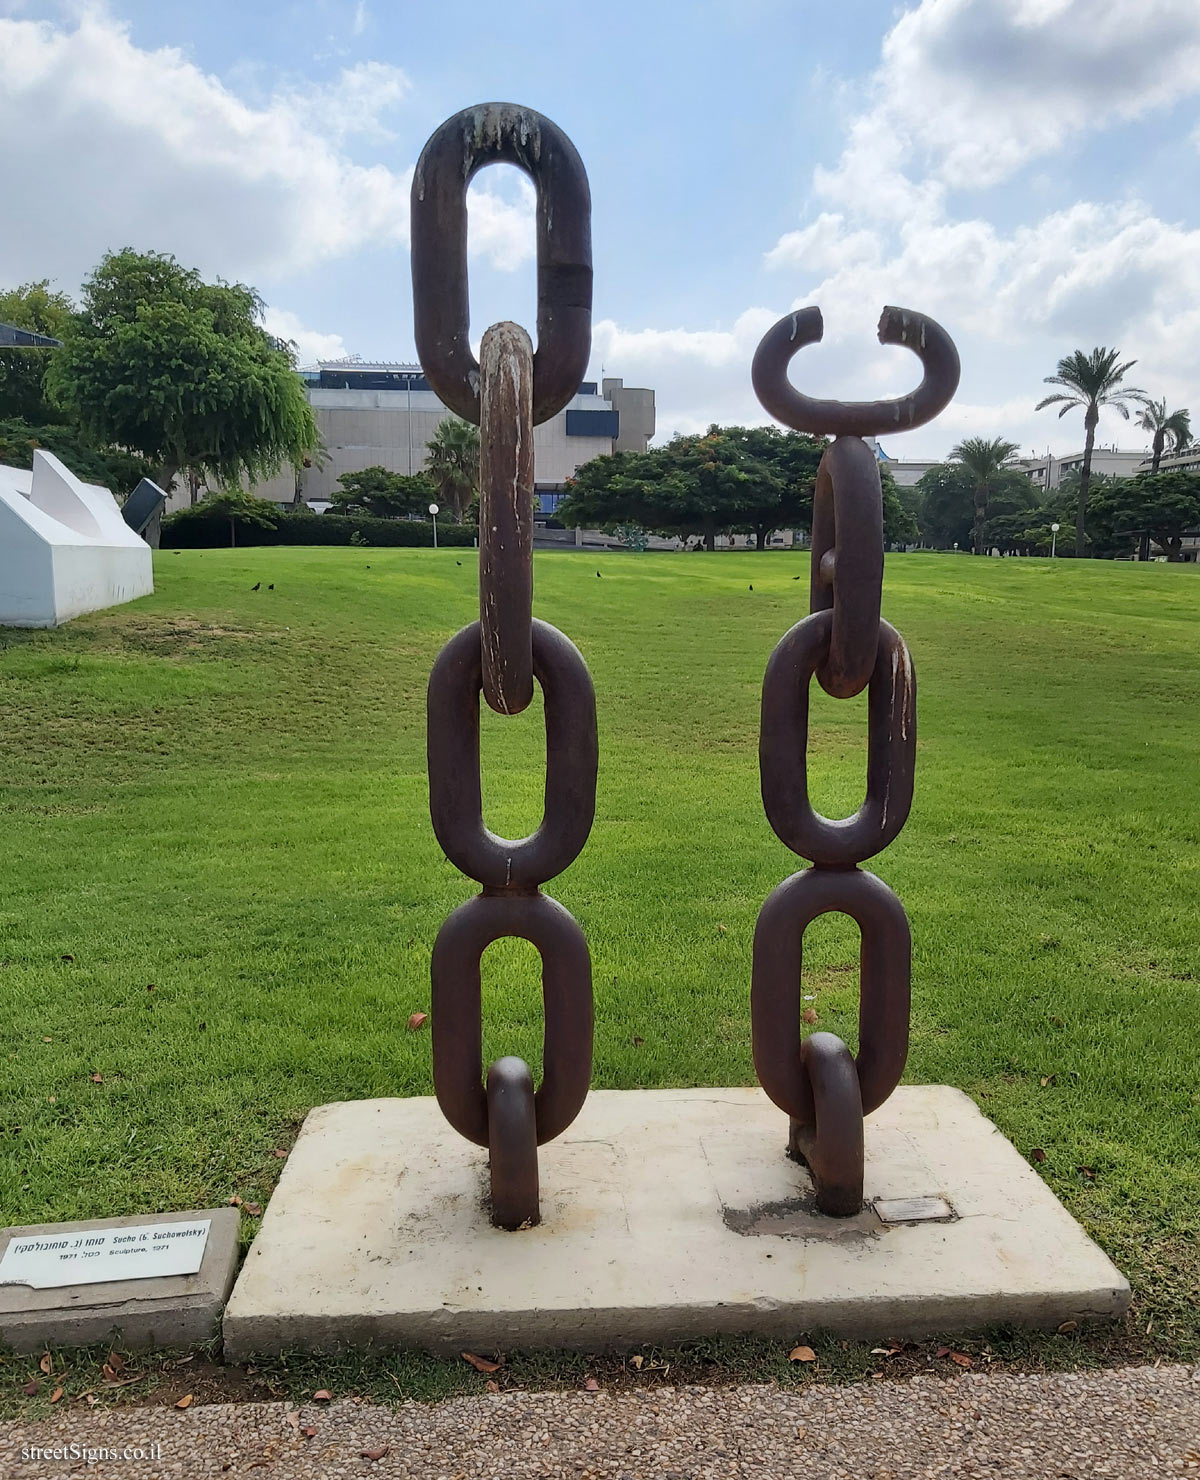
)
(667, 1215)
(179, 1310)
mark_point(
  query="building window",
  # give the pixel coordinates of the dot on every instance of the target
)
(593, 424)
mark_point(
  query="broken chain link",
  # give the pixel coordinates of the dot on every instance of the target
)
(824, 1089)
(508, 392)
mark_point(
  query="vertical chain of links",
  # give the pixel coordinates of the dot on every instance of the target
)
(507, 393)
(824, 1089)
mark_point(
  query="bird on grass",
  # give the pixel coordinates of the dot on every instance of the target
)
(795, 578)
(458, 562)
(598, 576)
(256, 585)
(752, 588)
(271, 587)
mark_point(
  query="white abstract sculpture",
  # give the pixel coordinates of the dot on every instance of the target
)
(64, 548)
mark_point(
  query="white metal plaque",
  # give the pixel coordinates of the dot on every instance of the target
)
(91, 1256)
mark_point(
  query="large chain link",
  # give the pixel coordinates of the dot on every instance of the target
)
(508, 392)
(824, 1089)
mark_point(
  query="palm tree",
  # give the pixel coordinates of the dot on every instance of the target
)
(452, 461)
(1175, 428)
(1091, 381)
(985, 461)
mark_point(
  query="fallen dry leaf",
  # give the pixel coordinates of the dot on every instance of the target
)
(809, 1015)
(47, 1364)
(116, 1361)
(1068, 1326)
(280, 1153)
(417, 1020)
(1037, 1154)
(56, 1395)
(235, 1201)
(481, 1364)
(1087, 1172)
(253, 1209)
(942, 1351)
(492, 1386)
(637, 1041)
(591, 1386)
(373, 1453)
(185, 1401)
(636, 1361)
(309, 1432)
(92, 1399)
(801, 1431)
(97, 1078)
(322, 1395)
(723, 929)
(32, 1388)
(802, 1354)
(960, 1359)
(292, 1418)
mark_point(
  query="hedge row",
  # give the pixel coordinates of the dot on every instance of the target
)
(188, 530)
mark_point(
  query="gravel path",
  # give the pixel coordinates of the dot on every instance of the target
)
(1127, 1423)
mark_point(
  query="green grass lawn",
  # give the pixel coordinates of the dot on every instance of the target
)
(221, 886)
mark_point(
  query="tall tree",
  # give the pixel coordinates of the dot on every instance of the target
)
(182, 372)
(23, 371)
(1091, 380)
(452, 463)
(986, 460)
(1172, 428)
(947, 501)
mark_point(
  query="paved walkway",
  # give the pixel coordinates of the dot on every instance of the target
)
(1127, 1423)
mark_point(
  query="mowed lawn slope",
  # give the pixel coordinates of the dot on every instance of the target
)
(221, 888)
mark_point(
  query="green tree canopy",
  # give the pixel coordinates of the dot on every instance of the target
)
(181, 372)
(452, 464)
(384, 494)
(947, 508)
(1166, 505)
(23, 371)
(751, 479)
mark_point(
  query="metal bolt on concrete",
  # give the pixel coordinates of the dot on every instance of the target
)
(1127, 1423)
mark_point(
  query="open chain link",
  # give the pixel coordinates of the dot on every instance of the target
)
(509, 391)
(824, 1089)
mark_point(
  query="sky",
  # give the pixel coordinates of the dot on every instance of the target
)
(1027, 172)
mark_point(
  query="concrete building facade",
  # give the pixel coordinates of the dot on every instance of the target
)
(385, 415)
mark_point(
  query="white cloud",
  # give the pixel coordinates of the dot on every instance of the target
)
(311, 344)
(361, 17)
(111, 145)
(970, 90)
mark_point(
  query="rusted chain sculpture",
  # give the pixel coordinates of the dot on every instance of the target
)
(823, 1088)
(507, 393)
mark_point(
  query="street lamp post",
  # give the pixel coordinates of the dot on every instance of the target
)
(1054, 528)
(433, 509)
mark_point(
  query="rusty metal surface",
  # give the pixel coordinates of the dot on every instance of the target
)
(506, 517)
(824, 1089)
(927, 339)
(489, 134)
(502, 654)
(891, 747)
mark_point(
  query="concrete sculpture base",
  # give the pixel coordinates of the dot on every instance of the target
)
(64, 547)
(666, 1215)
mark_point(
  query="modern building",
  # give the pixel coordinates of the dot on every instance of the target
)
(384, 415)
(1111, 462)
(907, 472)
